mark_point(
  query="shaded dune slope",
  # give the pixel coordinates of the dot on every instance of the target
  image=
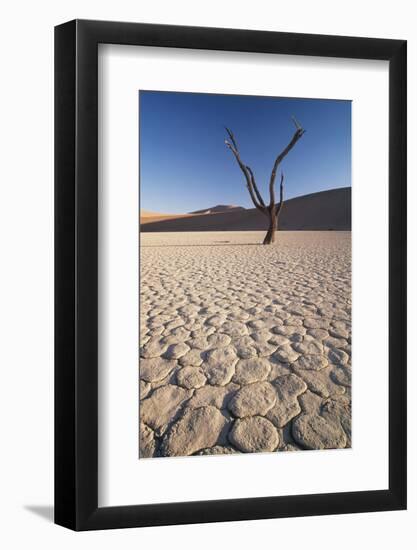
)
(323, 211)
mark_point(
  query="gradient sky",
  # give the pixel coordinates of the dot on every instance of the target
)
(185, 164)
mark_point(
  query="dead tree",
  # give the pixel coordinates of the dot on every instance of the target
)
(271, 211)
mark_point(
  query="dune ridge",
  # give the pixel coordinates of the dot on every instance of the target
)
(219, 208)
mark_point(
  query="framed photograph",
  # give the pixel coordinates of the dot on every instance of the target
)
(230, 247)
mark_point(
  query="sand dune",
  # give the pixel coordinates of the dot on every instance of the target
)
(150, 217)
(149, 214)
(323, 211)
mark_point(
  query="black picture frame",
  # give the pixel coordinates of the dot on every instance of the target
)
(76, 272)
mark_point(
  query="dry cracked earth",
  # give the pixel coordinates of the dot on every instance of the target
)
(244, 348)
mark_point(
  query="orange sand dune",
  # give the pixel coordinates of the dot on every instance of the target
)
(150, 217)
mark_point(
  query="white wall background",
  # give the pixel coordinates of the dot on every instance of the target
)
(26, 287)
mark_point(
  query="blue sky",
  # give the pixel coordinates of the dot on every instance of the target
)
(185, 164)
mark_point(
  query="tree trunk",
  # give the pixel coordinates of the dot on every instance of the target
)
(270, 235)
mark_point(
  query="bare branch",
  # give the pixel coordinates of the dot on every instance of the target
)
(247, 177)
(297, 135)
(255, 187)
(297, 124)
(272, 199)
(231, 147)
(247, 172)
(232, 137)
(281, 194)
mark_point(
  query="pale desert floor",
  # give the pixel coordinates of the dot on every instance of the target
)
(244, 347)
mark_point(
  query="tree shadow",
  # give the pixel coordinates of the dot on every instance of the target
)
(45, 512)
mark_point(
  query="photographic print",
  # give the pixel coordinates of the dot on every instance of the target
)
(245, 274)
